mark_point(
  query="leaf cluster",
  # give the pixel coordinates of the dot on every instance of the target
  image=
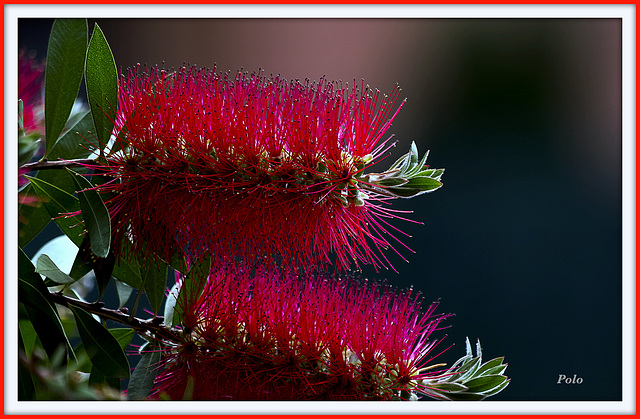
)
(408, 177)
(70, 353)
(469, 378)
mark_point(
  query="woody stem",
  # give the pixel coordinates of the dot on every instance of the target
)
(56, 164)
(152, 327)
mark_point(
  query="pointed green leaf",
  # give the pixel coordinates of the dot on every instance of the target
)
(20, 117)
(192, 286)
(103, 269)
(27, 146)
(65, 64)
(33, 217)
(128, 272)
(27, 331)
(432, 173)
(124, 293)
(391, 182)
(415, 186)
(497, 389)
(26, 388)
(402, 163)
(498, 370)
(45, 266)
(154, 278)
(414, 154)
(485, 383)
(58, 202)
(102, 84)
(102, 347)
(82, 263)
(170, 304)
(423, 183)
(144, 375)
(122, 335)
(77, 142)
(179, 263)
(95, 214)
(40, 307)
(489, 365)
(468, 369)
(43, 316)
(448, 387)
(97, 379)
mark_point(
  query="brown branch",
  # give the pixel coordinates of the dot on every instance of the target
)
(56, 164)
(152, 327)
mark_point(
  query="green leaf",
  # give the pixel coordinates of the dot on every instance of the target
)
(45, 266)
(85, 261)
(20, 117)
(415, 186)
(468, 369)
(489, 365)
(179, 263)
(392, 182)
(82, 263)
(27, 331)
(27, 146)
(413, 154)
(45, 320)
(448, 387)
(154, 278)
(432, 173)
(128, 272)
(124, 293)
(402, 163)
(103, 268)
(497, 389)
(95, 214)
(144, 375)
(498, 370)
(192, 286)
(102, 84)
(40, 307)
(77, 142)
(123, 335)
(65, 64)
(423, 183)
(102, 347)
(58, 202)
(26, 388)
(485, 383)
(97, 379)
(33, 218)
(170, 304)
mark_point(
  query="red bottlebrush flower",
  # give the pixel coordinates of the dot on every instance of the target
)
(274, 336)
(250, 168)
(30, 90)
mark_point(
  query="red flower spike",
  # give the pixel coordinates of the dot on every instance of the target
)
(254, 168)
(275, 336)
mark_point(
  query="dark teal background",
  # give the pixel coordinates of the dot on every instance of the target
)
(524, 241)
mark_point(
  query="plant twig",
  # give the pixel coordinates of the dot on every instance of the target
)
(56, 164)
(152, 327)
